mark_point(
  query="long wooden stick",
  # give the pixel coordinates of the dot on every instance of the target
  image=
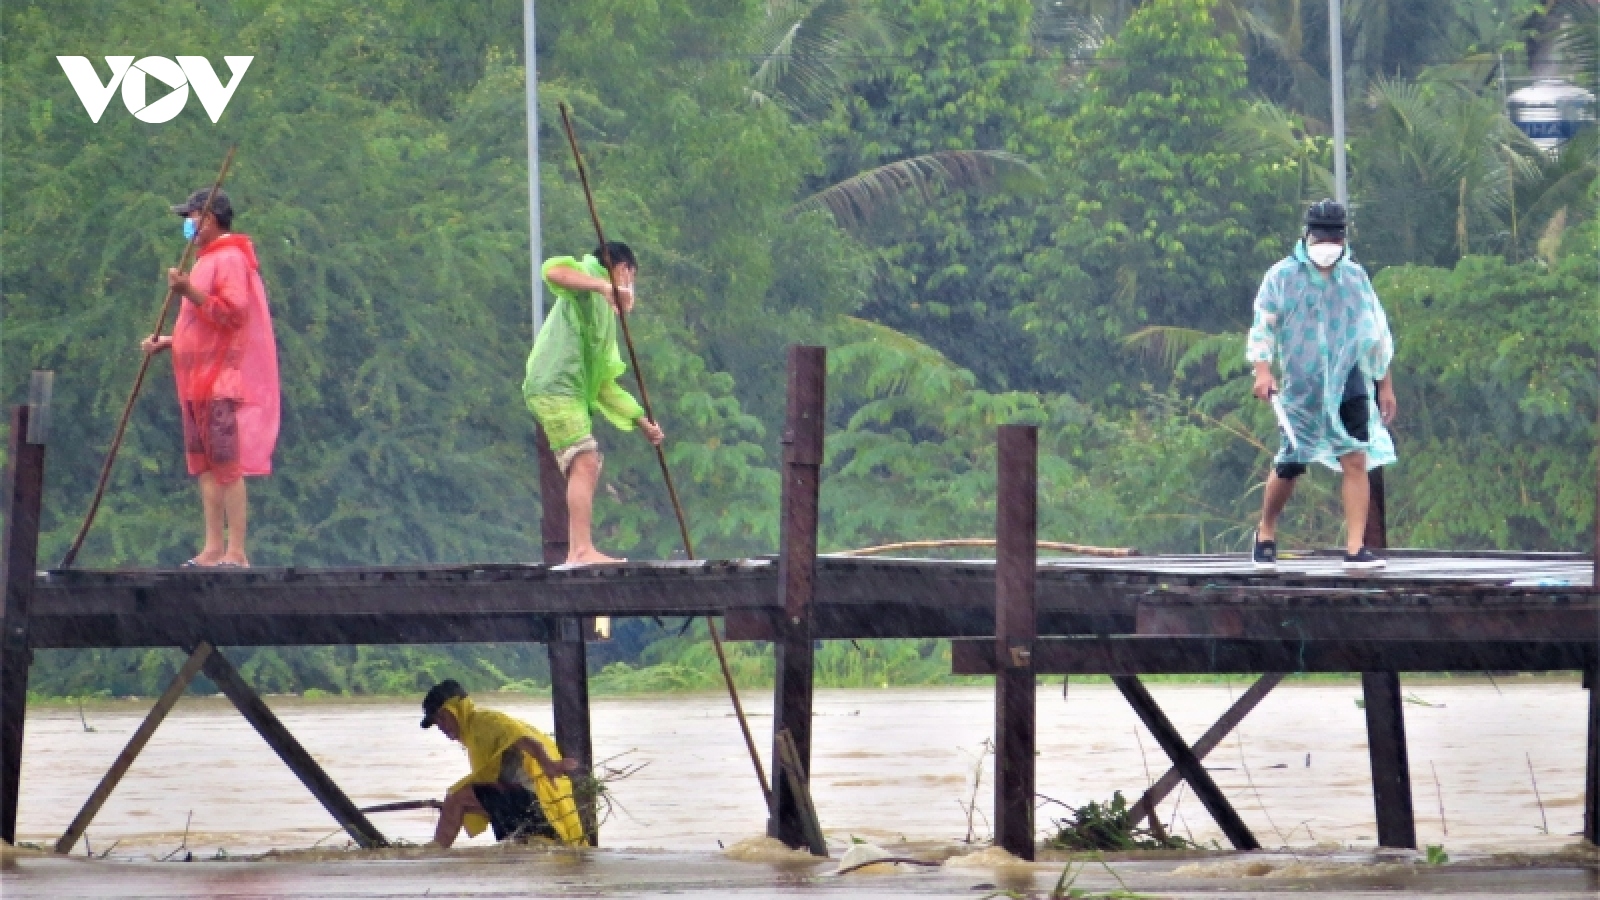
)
(1079, 549)
(138, 381)
(402, 806)
(661, 456)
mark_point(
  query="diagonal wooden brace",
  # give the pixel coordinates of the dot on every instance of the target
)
(136, 744)
(255, 711)
(1208, 742)
(1187, 764)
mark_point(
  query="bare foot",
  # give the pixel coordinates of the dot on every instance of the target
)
(591, 557)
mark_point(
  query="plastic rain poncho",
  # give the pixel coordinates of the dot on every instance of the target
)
(223, 349)
(574, 366)
(1319, 328)
(487, 735)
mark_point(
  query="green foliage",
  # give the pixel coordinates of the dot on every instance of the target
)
(1108, 826)
(1166, 218)
(1501, 386)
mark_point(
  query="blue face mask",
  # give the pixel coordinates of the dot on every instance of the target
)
(189, 229)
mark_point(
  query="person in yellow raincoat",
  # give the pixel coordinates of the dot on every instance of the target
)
(518, 784)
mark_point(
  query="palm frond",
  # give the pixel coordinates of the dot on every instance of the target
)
(1057, 27)
(808, 51)
(1580, 39)
(1166, 344)
(1176, 348)
(857, 199)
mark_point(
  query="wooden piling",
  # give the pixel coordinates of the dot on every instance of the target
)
(1591, 769)
(1016, 627)
(1386, 723)
(1591, 680)
(19, 557)
(804, 427)
(136, 744)
(1185, 761)
(255, 710)
(1376, 535)
(1391, 767)
(568, 653)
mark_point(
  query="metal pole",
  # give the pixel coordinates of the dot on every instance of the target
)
(535, 238)
(1336, 76)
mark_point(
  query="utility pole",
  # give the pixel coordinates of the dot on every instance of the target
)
(535, 238)
(1336, 76)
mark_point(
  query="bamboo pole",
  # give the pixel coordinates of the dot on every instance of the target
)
(138, 380)
(661, 456)
(1079, 549)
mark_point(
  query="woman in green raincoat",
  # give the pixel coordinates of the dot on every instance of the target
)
(572, 373)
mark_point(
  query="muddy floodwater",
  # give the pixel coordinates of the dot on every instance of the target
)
(1495, 769)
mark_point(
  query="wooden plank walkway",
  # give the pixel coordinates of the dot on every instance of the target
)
(855, 598)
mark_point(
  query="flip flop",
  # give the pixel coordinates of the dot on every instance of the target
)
(193, 563)
(568, 567)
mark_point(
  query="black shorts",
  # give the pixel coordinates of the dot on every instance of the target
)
(514, 812)
(1354, 415)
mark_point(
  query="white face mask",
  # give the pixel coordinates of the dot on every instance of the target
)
(1325, 254)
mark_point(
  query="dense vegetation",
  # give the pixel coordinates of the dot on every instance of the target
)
(990, 211)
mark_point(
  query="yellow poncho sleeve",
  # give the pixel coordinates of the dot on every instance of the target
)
(487, 735)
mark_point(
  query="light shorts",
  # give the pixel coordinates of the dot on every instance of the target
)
(565, 457)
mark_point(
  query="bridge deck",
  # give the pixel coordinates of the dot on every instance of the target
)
(1423, 594)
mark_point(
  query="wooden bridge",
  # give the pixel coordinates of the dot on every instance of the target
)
(1014, 617)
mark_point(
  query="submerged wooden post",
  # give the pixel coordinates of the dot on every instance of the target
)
(1591, 768)
(19, 559)
(1015, 627)
(1386, 722)
(1591, 680)
(141, 737)
(794, 774)
(569, 655)
(255, 711)
(797, 567)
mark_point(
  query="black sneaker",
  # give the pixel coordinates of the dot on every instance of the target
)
(1265, 555)
(1363, 560)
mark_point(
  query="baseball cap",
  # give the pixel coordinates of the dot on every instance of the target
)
(438, 695)
(221, 207)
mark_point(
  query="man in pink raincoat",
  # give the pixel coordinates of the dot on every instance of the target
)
(226, 363)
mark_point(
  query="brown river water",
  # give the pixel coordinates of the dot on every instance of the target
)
(893, 766)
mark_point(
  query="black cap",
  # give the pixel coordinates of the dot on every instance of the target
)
(445, 690)
(221, 207)
(1326, 219)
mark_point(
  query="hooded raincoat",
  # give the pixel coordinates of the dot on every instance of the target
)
(487, 735)
(1318, 328)
(573, 369)
(225, 360)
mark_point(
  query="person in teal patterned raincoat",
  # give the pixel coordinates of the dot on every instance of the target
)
(1317, 316)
